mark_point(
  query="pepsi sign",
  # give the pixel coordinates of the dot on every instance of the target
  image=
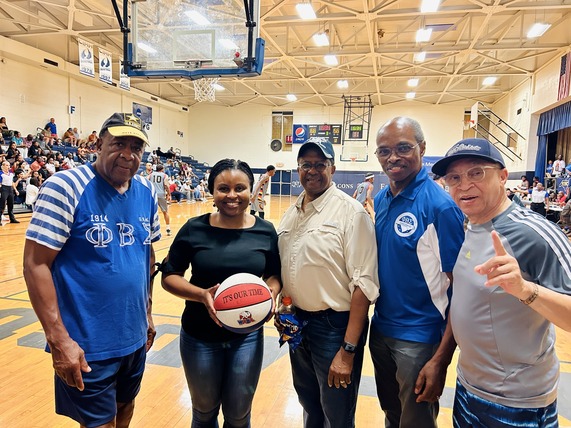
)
(300, 133)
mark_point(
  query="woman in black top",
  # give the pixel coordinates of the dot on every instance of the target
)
(222, 368)
(12, 152)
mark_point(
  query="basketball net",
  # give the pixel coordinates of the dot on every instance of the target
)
(468, 124)
(204, 89)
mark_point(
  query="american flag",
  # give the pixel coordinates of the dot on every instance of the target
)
(564, 75)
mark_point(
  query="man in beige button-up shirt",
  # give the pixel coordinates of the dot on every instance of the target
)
(329, 268)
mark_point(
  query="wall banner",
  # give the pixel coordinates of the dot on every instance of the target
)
(86, 65)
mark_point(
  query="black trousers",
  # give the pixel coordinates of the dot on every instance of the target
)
(7, 197)
(538, 207)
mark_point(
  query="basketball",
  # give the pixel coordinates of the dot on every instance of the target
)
(243, 302)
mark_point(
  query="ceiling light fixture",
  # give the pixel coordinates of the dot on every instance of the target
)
(537, 30)
(423, 35)
(420, 56)
(197, 17)
(429, 6)
(145, 47)
(490, 80)
(331, 60)
(342, 84)
(410, 95)
(412, 82)
(321, 39)
(291, 97)
(305, 11)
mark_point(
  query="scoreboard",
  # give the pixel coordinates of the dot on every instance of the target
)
(302, 132)
(356, 132)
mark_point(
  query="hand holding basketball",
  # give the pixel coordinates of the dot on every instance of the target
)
(208, 300)
(243, 303)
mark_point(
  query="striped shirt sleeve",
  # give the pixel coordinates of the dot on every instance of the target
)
(53, 215)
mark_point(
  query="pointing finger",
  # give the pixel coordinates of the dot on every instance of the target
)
(498, 246)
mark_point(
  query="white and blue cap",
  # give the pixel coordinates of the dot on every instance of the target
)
(468, 148)
(322, 144)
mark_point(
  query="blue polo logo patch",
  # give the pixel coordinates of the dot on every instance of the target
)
(405, 224)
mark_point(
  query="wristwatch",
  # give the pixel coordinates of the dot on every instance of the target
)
(349, 347)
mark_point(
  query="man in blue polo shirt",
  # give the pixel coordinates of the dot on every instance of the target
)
(419, 233)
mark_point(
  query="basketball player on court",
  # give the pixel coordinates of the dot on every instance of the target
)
(147, 171)
(161, 183)
(87, 261)
(364, 191)
(257, 203)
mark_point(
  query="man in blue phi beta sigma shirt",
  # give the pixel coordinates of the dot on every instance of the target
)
(87, 262)
(512, 282)
(419, 232)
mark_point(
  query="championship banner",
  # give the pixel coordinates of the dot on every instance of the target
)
(86, 65)
(124, 80)
(105, 66)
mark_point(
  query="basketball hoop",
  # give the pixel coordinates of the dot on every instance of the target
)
(204, 89)
(353, 158)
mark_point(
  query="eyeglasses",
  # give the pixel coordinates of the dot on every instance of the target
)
(401, 150)
(474, 175)
(319, 166)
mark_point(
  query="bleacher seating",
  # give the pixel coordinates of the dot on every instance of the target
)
(64, 150)
(199, 168)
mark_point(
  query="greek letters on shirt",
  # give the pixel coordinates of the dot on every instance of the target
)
(101, 233)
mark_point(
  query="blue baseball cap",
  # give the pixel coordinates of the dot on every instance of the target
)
(321, 144)
(468, 148)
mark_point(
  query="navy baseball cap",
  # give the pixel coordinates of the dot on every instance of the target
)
(125, 125)
(321, 144)
(468, 148)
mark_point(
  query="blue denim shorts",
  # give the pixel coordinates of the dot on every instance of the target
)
(112, 381)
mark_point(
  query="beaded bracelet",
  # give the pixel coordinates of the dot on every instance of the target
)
(533, 296)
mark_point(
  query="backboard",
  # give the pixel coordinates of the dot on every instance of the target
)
(194, 39)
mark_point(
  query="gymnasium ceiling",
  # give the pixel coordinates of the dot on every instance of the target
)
(374, 41)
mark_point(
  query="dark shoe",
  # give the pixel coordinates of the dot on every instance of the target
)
(14, 221)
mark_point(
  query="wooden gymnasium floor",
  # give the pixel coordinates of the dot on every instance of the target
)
(26, 377)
